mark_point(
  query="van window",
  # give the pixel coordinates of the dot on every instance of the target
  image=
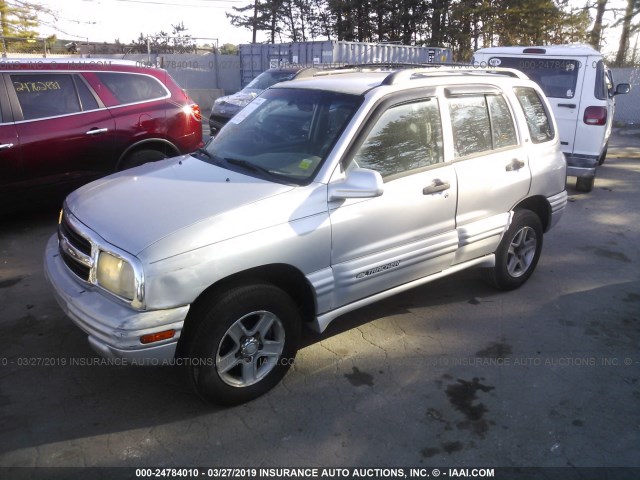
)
(556, 77)
(540, 127)
(132, 88)
(604, 85)
(45, 95)
(406, 137)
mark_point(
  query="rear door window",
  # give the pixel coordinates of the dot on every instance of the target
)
(481, 123)
(45, 95)
(556, 77)
(133, 88)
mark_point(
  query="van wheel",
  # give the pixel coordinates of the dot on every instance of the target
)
(603, 156)
(244, 341)
(585, 184)
(518, 252)
(141, 157)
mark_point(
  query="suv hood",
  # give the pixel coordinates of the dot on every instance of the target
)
(241, 98)
(135, 208)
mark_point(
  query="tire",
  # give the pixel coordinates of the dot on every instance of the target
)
(242, 344)
(603, 156)
(518, 252)
(140, 157)
(585, 184)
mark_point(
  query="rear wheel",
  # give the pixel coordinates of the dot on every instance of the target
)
(603, 156)
(585, 184)
(243, 343)
(518, 252)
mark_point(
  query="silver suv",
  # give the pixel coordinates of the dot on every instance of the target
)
(323, 195)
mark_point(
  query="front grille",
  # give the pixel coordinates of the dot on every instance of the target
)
(79, 269)
(74, 238)
(79, 246)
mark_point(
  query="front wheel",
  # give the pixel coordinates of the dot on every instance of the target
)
(141, 157)
(518, 252)
(245, 341)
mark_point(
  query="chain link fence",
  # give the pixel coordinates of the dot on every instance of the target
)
(43, 47)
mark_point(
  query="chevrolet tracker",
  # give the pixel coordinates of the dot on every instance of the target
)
(324, 194)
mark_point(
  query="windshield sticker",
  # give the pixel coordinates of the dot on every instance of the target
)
(569, 93)
(305, 164)
(248, 110)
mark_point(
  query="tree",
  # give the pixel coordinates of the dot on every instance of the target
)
(229, 49)
(20, 18)
(595, 36)
(633, 8)
(178, 41)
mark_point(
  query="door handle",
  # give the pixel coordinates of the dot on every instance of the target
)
(567, 105)
(436, 186)
(97, 131)
(5, 146)
(514, 166)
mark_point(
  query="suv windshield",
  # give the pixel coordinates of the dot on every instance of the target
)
(557, 77)
(268, 78)
(285, 133)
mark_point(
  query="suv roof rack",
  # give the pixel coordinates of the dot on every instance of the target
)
(401, 72)
(376, 67)
(400, 76)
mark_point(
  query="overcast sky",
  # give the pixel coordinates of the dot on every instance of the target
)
(107, 20)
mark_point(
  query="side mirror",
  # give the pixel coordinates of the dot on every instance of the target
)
(622, 88)
(359, 183)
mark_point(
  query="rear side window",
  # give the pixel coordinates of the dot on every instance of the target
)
(46, 95)
(540, 127)
(132, 88)
(480, 124)
(406, 137)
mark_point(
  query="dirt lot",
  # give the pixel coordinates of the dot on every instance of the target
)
(450, 375)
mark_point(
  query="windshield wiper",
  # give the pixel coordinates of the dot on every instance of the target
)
(249, 166)
(205, 152)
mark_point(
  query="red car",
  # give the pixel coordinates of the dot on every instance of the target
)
(65, 122)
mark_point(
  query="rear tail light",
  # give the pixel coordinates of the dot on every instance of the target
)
(195, 111)
(595, 116)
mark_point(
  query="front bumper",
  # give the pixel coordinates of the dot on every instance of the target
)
(114, 329)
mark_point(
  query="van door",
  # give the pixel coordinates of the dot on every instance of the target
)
(561, 80)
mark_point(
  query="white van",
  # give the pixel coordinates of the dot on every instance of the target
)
(581, 92)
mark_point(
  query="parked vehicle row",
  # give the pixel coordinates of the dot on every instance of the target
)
(64, 123)
(323, 195)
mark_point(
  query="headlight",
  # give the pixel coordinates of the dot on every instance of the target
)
(116, 275)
